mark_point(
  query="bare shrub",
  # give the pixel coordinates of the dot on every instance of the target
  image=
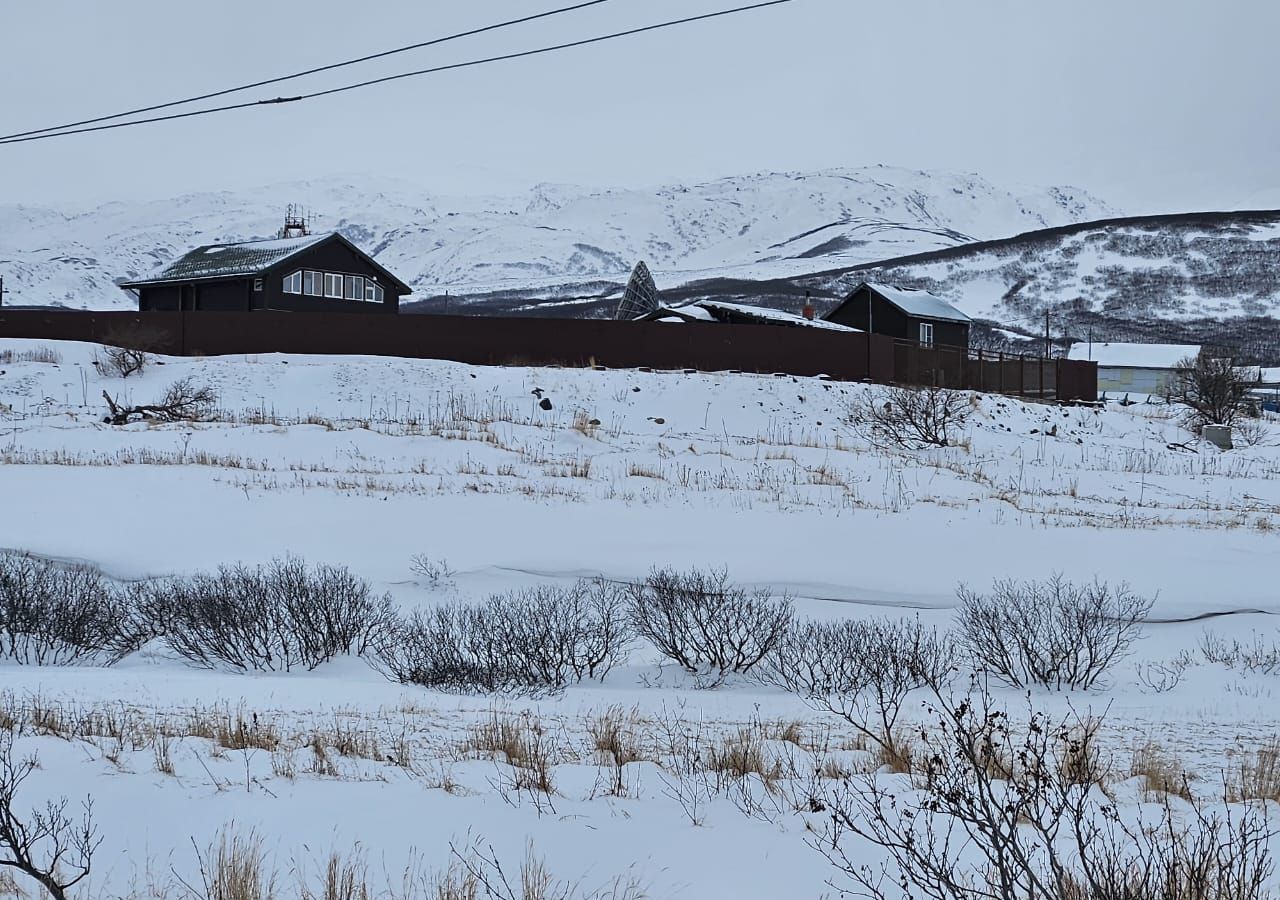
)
(53, 614)
(277, 617)
(540, 638)
(1051, 633)
(704, 623)
(1212, 390)
(436, 572)
(183, 401)
(964, 829)
(1258, 657)
(910, 417)
(860, 670)
(45, 845)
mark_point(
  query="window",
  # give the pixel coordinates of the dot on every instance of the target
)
(257, 284)
(312, 284)
(372, 291)
(926, 334)
(353, 287)
(332, 285)
(292, 284)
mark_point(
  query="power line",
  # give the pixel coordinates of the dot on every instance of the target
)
(388, 78)
(326, 68)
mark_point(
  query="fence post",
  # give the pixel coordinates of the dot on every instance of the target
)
(1042, 378)
(1022, 375)
(1000, 373)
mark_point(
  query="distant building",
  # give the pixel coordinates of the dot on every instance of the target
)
(310, 273)
(1134, 368)
(906, 315)
(737, 314)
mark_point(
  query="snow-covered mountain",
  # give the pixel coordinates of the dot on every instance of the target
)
(1192, 278)
(552, 237)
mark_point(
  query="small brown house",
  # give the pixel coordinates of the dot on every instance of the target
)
(906, 315)
(311, 273)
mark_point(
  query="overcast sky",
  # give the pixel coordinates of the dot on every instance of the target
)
(1153, 105)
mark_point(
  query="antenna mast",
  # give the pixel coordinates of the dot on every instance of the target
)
(297, 222)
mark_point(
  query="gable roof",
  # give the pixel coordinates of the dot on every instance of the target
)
(246, 258)
(717, 310)
(920, 304)
(1134, 356)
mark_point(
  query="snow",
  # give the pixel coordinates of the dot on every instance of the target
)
(366, 461)
(1137, 356)
(919, 303)
(776, 315)
(755, 226)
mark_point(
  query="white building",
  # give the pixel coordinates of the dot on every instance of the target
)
(1134, 368)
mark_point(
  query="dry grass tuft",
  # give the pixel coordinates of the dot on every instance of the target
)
(522, 743)
(236, 868)
(1161, 773)
(742, 754)
(618, 736)
(1258, 776)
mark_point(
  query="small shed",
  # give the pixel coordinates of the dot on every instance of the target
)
(308, 273)
(1134, 368)
(903, 314)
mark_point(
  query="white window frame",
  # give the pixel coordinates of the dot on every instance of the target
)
(309, 287)
(333, 286)
(372, 291)
(352, 287)
(926, 334)
(292, 283)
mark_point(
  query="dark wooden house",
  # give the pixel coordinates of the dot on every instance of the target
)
(312, 273)
(906, 315)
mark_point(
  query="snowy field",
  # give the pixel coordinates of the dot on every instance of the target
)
(513, 477)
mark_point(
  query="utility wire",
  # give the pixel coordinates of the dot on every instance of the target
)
(326, 68)
(375, 81)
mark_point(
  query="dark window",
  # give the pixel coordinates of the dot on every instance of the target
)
(353, 287)
(257, 284)
(926, 334)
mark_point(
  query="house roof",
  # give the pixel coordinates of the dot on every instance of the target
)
(244, 258)
(1134, 356)
(229, 260)
(707, 310)
(920, 304)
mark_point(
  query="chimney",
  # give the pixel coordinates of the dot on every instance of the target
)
(808, 311)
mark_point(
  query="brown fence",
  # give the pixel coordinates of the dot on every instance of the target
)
(994, 372)
(703, 346)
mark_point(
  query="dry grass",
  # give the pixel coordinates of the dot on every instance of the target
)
(1160, 772)
(522, 743)
(236, 868)
(36, 355)
(344, 878)
(618, 736)
(1258, 775)
(896, 752)
(1080, 760)
(742, 754)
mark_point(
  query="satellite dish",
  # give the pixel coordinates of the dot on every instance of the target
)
(641, 297)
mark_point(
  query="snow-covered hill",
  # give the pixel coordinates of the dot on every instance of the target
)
(1171, 277)
(763, 225)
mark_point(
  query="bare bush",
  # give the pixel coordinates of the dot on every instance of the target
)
(277, 617)
(184, 401)
(967, 829)
(706, 624)
(1258, 657)
(910, 417)
(540, 638)
(1212, 390)
(56, 615)
(860, 670)
(436, 572)
(1051, 633)
(120, 362)
(45, 845)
